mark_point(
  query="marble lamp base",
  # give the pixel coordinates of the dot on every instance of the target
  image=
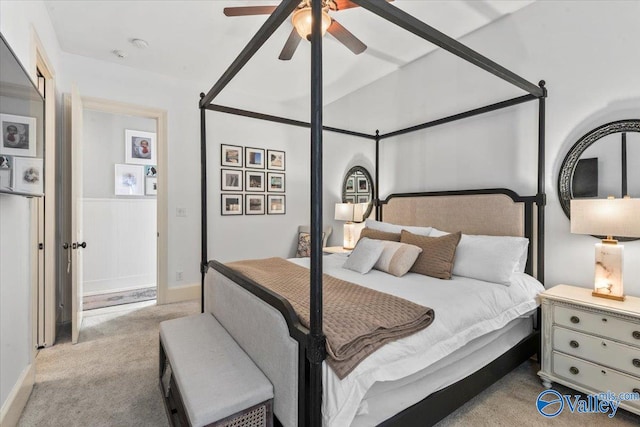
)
(608, 271)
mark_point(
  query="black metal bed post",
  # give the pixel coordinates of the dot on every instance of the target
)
(316, 348)
(624, 165)
(542, 197)
(376, 188)
(203, 202)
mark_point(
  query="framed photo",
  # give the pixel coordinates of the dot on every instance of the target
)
(5, 162)
(5, 179)
(27, 175)
(255, 204)
(255, 181)
(129, 180)
(18, 135)
(254, 158)
(275, 182)
(363, 198)
(276, 204)
(230, 180)
(275, 160)
(350, 199)
(139, 147)
(151, 170)
(151, 186)
(231, 155)
(362, 184)
(351, 185)
(231, 204)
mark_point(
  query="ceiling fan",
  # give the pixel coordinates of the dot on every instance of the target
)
(301, 19)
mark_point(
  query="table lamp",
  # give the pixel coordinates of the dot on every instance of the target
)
(607, 217)
(350, 212)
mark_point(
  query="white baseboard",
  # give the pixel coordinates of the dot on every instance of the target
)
(182, 293)
(17, 399)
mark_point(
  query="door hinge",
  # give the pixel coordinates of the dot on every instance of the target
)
(41, 246)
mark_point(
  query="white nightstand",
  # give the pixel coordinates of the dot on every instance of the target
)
(336, 250)
(591, 344)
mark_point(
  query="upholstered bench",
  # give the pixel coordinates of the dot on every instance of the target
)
(206, 378)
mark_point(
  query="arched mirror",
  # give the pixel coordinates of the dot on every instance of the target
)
(357, 187)
(604, 162)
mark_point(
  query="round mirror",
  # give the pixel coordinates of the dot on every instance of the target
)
(357, 187)
(604, 162)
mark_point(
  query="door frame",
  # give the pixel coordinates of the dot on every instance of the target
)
(162, 202)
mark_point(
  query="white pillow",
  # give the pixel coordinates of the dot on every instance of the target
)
(397, 258)
(364, 255)
(489, 258)
(395, 228)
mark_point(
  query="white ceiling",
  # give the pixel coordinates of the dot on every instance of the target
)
(193, 40)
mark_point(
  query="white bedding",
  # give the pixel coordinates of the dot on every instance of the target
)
(465, 309)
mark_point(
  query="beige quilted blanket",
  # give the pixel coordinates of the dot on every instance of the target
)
(357, 320)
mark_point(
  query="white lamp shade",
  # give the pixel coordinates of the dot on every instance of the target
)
(607, 217)
(344, 212)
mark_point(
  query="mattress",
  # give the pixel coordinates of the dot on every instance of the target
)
(480, 308)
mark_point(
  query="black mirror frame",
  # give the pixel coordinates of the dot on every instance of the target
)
(367, 175)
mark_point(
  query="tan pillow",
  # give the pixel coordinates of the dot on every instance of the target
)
(397, 258)
(436, 259)
(379, 235)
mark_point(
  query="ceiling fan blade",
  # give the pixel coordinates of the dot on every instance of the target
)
(347, 4)
(290, 46)
(345, 37)
(249, 10)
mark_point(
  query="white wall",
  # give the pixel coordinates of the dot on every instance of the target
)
(591, 77)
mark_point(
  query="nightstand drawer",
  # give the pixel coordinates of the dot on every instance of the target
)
(604, 325)
(594, 377)
(599, 350)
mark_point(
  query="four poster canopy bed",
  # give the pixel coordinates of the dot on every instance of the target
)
(479, 327)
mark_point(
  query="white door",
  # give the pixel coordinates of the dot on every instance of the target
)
(78, 243)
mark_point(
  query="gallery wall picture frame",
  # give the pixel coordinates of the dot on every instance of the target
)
(231, 155)
(276, 160)
(18, 135)
(276, 204)
(350, 199)
(350, 186)
(362, 198)
(253, 158)
(362, 185)
(5, 179)
(230, 180)
(254, 204)
(140, 147)
(276, 182)
(254, 181)
(151, 170)
(151, 186)
(5, 162)
(28, 175)
(230, 204)
(129, 180)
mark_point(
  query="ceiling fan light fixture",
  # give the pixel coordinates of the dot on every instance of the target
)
(302, 22)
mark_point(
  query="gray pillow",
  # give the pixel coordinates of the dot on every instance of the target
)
(364, 255)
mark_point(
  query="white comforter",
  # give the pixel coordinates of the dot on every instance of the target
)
(465, 309)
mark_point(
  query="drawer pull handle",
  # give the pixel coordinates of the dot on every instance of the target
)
(636, 390)
(574, 344)
(575, 319)
(574, 370)
(636, 335)
(603, 372)
(604, 319)
(604, 344)
(636, 363)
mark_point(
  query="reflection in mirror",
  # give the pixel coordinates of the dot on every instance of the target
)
(357, 187)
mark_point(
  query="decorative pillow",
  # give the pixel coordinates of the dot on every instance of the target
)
(397, 258)
(304, 245)
(364, 255)
(395, 228)
(379, 235)
(490, 258)
(436, 259)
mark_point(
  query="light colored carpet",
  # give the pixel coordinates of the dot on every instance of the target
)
(111, 379)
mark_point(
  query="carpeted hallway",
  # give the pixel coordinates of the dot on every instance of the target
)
(110, 379)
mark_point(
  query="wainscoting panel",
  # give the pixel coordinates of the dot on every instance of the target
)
(121, 236)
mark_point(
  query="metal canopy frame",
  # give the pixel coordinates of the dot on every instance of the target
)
(315, 345)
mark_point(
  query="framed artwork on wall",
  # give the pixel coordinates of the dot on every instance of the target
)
(231, 204)
(231, 155)
(350, 186)
(254, 158)
(275, 182)
(151, 186)
(276, 204)
(27, 175)
(18, 135)
(151, 170)
(5, 179)
(129, 180)
(230, 180)
(254, 181)
(275, 160)
(140, 147)
(5, 162)
(362, 184)
(255, 204)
